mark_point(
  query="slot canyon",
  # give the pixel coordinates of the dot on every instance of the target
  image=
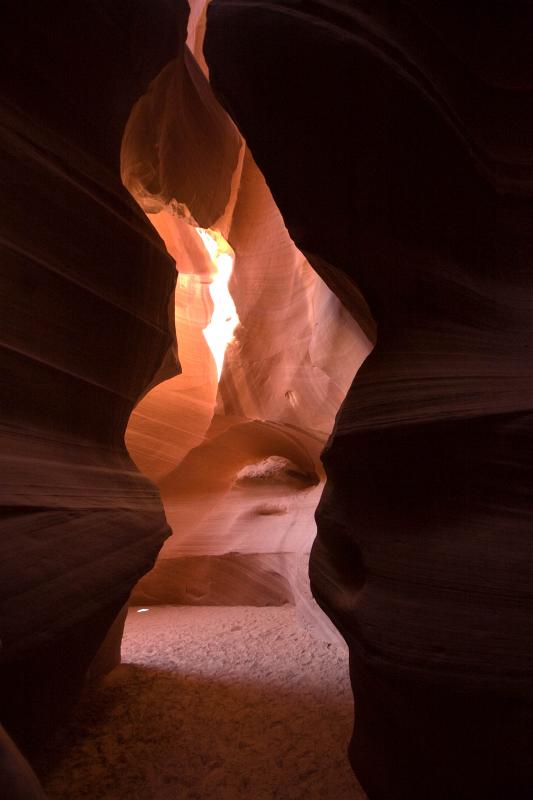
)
(266, 400)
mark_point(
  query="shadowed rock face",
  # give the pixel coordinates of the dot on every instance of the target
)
(86, 327)
(19, 782)
(397, 145)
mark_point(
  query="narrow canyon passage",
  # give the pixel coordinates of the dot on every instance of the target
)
(216, 213)
(234, 684)
(267, 353)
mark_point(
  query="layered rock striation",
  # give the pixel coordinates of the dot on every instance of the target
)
(396, 142)
(397, 145)
(87, 326)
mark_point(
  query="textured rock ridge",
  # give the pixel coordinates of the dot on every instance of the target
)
(396, 142)
(85, 330)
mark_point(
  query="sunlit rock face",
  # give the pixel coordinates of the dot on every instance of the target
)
(234, 441)
(397, 145)
(86, 328)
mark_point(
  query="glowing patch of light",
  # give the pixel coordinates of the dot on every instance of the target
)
(141, 610)
(219, 333)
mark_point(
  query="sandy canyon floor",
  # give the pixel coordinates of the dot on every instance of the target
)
(211, 703)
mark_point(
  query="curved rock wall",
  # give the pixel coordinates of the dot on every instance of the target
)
(85, 329)
(236, 540)
(397, 144)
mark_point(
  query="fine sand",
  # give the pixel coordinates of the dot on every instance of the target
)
(211, 703)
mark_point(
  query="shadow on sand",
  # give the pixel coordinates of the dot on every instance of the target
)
(153, 734)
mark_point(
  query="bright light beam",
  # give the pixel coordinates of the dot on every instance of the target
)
(220, 331)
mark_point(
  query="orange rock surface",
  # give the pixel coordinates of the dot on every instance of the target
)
(285, 372)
